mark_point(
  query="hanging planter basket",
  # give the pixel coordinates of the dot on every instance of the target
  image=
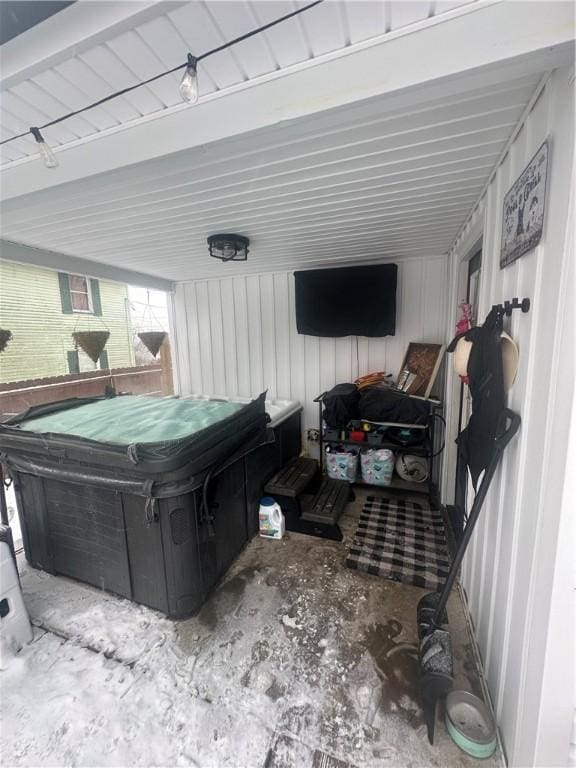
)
(5, 337)
(152, 340)
(92, 342)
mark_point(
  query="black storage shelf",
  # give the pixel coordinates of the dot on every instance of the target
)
(400, 424)
(417, 450)
(423, 449)
(397, 484)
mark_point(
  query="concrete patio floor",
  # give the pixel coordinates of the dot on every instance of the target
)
(294, 661)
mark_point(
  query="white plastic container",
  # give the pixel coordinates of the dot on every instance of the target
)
(15, 629)
(272, 525)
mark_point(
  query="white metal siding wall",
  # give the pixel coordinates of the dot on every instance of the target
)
(242, 338)
(509, 570)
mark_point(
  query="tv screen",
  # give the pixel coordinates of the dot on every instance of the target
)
(349, 301)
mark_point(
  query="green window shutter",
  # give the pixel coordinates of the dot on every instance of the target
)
(73, 362)
(96, 303)
(65, 293)
(103, 360)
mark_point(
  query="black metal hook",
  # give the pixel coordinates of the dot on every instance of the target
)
(508, 306)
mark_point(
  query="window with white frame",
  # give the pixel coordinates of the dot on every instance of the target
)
(80, 296)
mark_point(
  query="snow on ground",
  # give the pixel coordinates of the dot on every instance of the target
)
(292, 659)
(119, 692)
(85, 709)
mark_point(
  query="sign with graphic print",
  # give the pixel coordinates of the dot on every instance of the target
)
(523, 215)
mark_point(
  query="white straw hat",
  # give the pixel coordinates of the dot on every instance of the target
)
(510, 358)
(461, 356)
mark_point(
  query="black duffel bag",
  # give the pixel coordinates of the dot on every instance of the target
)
(377, 404)
(341, 405)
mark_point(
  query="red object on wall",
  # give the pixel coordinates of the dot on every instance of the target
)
(464, 324)
(465, 320)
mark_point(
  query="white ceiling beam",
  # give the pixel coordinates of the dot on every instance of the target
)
(72, 31)
(39, 257)
(489, 43)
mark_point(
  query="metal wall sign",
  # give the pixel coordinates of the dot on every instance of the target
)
(523, 214)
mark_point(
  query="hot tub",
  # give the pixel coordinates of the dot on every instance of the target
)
(285, 421)
(155, 511)
(279, 411)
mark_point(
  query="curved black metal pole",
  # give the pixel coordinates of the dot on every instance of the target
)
(507, 427)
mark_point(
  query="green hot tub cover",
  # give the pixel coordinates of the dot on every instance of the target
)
(155, 434)
(133, 419)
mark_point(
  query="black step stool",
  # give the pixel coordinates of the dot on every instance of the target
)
(311, 504)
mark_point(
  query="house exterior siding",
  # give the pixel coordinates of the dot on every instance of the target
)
(31, 308)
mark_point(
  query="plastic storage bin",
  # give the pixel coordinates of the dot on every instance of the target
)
(342, 465)
(377, 466)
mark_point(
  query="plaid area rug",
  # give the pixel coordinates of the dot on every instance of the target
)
(402, 541)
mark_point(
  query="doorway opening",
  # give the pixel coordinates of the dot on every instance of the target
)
(458, 511)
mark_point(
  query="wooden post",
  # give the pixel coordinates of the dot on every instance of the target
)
(166, 362)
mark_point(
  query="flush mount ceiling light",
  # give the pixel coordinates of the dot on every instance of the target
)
(229, 247)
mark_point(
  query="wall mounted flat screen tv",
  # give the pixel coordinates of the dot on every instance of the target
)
(348, 301)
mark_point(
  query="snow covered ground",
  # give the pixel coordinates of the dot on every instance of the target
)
(294, 661)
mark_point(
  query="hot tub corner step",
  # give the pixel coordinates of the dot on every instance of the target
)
(293, 478)
(329, 503)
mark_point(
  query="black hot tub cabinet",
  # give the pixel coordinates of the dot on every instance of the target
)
(157, 521)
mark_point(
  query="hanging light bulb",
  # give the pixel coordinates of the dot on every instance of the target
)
(49, 158)
(189, 83)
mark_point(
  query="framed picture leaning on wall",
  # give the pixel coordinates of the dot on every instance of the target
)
(420, 368)
(523, 213)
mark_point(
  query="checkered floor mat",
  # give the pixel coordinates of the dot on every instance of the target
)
(402, 541)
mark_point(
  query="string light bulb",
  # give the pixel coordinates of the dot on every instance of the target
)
(49, 158)
(189, 83)
(188, 86)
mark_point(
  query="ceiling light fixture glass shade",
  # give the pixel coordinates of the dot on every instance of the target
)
(229, 247)
(189, 83)
(49, 158)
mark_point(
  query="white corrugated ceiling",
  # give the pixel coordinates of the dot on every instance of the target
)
(362, 182)
(163, 41)
(379, 175)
